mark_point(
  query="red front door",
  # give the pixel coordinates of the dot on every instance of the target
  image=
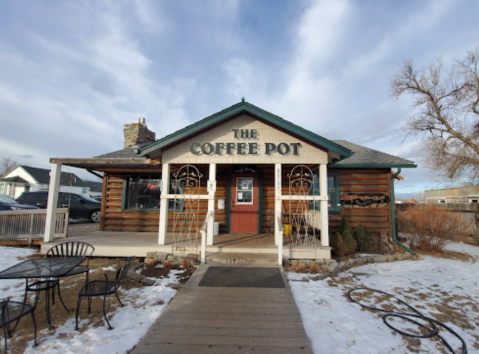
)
(244, 203)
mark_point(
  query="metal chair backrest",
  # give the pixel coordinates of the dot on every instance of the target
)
(71, 249)
(122, 271)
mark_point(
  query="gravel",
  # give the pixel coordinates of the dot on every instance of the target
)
(82, 226)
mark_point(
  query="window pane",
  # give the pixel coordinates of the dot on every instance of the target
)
(143, 193)
(331, 191)
(244, 190)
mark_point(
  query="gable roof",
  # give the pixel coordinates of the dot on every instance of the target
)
(238, 108)
(42, 176)
(15, 179)
(366, 157)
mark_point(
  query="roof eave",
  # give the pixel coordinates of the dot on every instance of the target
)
(371, 165)
(241, 107)
(105, 163)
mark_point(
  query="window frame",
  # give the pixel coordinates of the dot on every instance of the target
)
(335, 207)
(124, 198)
(238, 190)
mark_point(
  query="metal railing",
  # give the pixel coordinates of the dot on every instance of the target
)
(31, 223)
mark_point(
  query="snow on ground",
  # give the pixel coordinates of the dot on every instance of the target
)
(438, 287)
(333, 324)
(142, 307)
(9, 256)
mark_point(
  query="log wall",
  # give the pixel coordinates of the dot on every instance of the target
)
(364, 181)
(116, 219)
(350, 180)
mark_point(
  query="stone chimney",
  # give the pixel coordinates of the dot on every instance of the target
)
(137, 133)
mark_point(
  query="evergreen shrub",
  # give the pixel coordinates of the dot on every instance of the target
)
(362, 239)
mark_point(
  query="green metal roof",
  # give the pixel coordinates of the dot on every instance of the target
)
(369, 158)
(241, 108)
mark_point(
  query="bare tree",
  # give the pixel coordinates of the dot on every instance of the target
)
(445, 113)
(7, 165)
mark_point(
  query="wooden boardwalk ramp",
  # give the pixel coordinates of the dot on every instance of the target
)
(228, 320)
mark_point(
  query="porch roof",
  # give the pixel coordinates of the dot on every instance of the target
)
(107, 163)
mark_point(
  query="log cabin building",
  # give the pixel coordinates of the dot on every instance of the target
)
(240, 174)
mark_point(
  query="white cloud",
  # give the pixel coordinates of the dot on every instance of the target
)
(74, 73)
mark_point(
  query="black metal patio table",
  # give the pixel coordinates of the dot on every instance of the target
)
(44, 270)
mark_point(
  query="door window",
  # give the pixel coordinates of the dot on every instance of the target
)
(244, 190)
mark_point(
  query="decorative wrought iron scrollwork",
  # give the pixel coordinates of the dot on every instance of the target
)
(300, 214)
(186, 183)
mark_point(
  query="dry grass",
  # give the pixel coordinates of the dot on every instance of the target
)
(314, 268)
(429, 228)
(303, 268)
(70, 287)
(166, 265)
(153, 262)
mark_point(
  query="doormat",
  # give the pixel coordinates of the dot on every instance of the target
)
(242, 277)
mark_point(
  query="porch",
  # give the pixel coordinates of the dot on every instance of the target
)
(123, 244)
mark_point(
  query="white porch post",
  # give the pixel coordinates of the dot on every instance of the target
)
(165, 190)
(51, 221)
(323, 187)
(211, 206)
(277, 203)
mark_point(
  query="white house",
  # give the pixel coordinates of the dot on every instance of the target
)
(33, 179)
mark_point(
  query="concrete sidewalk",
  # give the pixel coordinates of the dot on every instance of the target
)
(227, 320)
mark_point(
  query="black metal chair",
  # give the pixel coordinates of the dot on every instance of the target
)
(71, 249)
(13, 311)
(43, 285)
(103, 288)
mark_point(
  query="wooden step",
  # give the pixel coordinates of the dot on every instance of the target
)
(269, 259)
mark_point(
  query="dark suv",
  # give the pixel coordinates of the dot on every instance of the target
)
(81, 207)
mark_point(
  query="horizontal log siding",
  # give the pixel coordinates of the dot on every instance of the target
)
(116, 219)
(364, 181)
(269, 192)
(268, 198)
(350, 180)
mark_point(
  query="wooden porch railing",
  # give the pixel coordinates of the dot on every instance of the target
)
(31, 223)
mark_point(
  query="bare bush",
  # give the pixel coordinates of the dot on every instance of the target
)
(428, 227)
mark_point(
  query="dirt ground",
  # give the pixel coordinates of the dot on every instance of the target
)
(70, 287)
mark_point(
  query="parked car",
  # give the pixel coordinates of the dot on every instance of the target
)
(7, 203)
(80, 206)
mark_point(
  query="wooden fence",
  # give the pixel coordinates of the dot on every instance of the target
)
(31, 223)
(468, 213)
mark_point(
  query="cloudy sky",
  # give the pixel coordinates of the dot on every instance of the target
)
(72, 73)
